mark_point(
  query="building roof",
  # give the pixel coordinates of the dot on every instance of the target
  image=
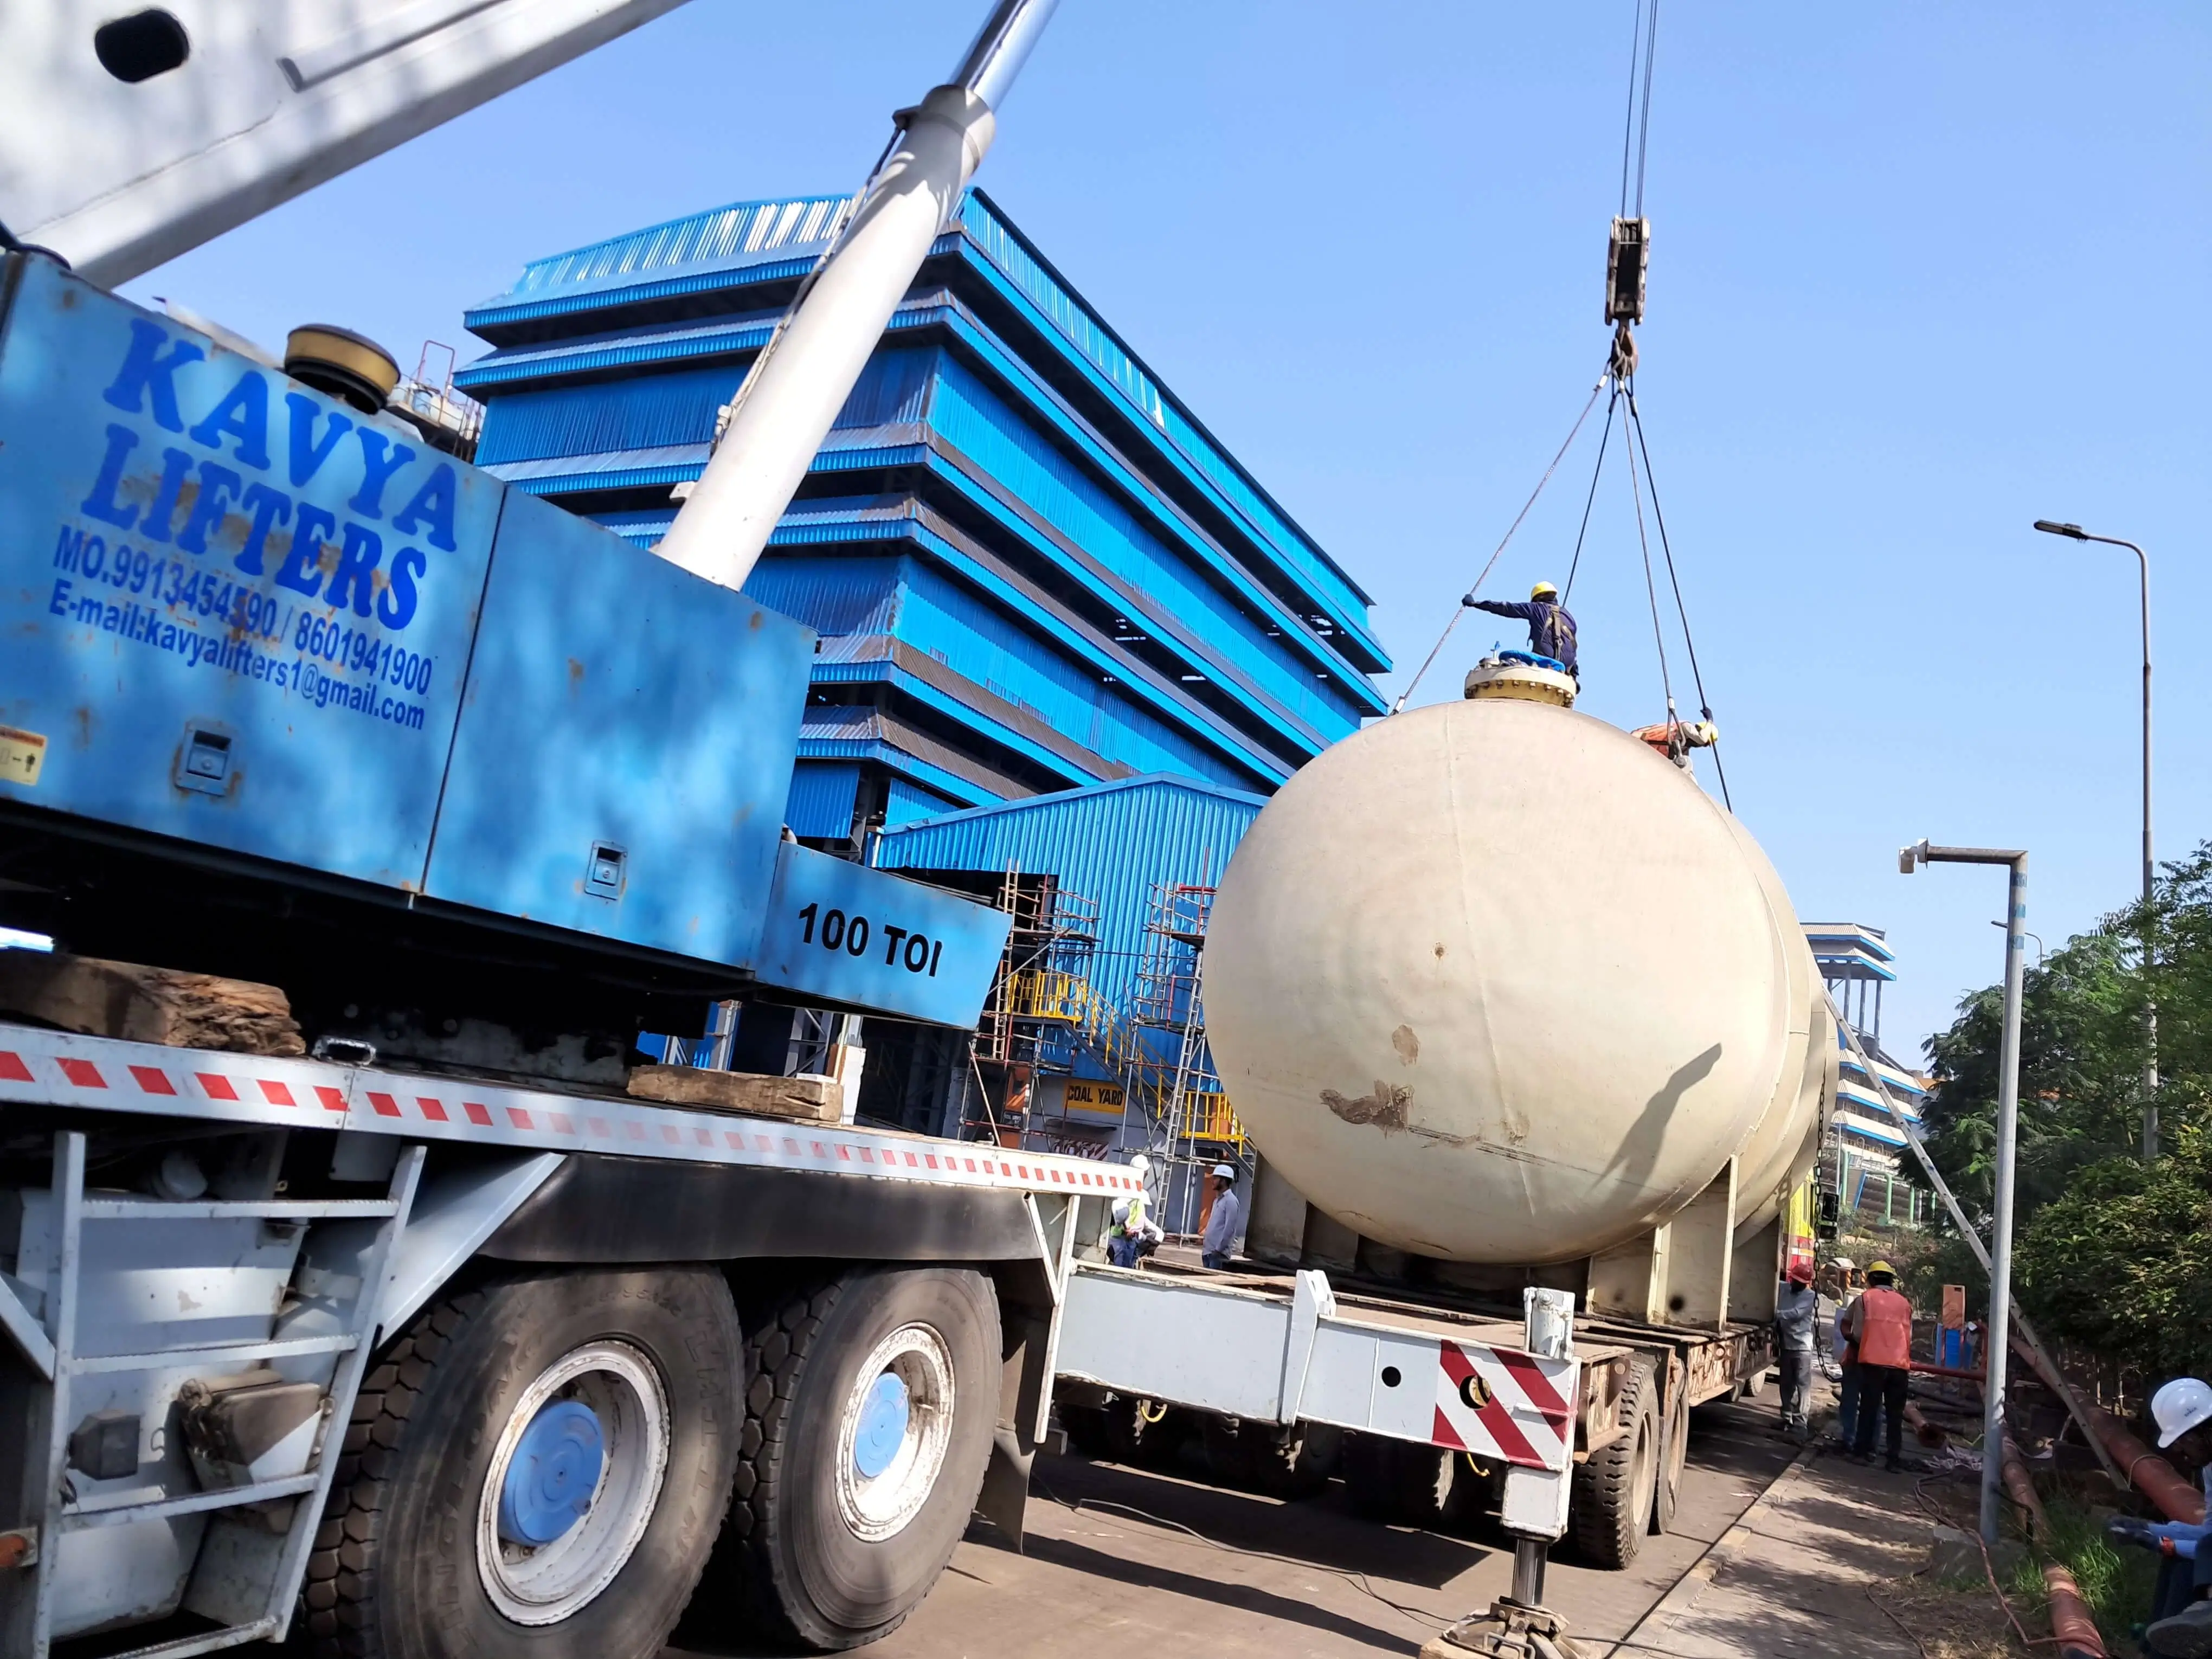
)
(671, 269)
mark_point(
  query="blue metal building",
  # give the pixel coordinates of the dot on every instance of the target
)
(1113, 843)
(1033, 569)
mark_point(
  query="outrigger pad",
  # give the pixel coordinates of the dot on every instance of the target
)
(1508, 1631)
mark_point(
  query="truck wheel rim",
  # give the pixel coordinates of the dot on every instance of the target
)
(894, 1432)
(605, 1395)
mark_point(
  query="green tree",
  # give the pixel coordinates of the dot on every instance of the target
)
(2109, 1254)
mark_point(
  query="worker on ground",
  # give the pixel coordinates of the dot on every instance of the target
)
(1551, 628)
(2181, 1615)
(1226, 1220)
(1796, 1311)
(1881, 1323)
(1133, 1224)
(1847, 1379)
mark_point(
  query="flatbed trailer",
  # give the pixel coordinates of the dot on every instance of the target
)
(1443, 1378)
(433, 1364)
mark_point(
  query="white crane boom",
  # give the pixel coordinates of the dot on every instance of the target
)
(129, 138)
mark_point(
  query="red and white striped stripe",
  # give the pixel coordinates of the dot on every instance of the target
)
(55, 1068)
(1502, 1403)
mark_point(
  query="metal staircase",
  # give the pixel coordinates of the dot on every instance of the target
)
(107, 1254)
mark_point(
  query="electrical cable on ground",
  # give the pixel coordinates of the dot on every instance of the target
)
(1429, 661)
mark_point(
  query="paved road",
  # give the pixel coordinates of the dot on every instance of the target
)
(1271, 1580)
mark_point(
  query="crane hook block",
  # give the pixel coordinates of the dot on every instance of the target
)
(1625, 258)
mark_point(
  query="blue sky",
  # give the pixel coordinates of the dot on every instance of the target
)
(1919, 276)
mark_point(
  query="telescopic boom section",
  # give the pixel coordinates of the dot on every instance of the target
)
(801, 380)
(128, 136)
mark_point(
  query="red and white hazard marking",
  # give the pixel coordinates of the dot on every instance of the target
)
(55, 1068)
(1498, 1402)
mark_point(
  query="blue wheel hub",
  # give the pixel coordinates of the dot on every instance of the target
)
(882, 1428)
(552, 1474)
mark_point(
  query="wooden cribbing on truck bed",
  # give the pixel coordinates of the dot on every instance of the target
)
(139, 1004)
(807, 1099)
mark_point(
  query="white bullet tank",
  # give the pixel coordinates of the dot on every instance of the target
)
(1493, 981)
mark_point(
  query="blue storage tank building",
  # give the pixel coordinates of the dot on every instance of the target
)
(1064, 632)
(1033, 569)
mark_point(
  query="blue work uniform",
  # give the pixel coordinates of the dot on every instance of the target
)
(1551, 627)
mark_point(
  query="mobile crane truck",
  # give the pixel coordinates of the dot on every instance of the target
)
(410, 1326)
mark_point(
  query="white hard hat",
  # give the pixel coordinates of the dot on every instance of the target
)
(1141, 1165)
(1223, 1172)
(2180, 1406)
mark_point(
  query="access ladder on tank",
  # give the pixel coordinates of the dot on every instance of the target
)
(248, 1590)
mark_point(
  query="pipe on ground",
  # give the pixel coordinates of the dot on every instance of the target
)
(2019, 1486)
(2152, 1476)
(2071, 1626)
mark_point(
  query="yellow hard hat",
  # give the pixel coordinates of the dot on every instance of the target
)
(1543, 590)
(1882, 1267)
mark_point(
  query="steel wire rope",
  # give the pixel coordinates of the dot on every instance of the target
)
(1651, 588)
(1636, 120)
(1461, 609)
(1643, 117)
(1697, 676)
(1588, 501)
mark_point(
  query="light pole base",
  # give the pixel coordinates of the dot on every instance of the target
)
(1509, 1631)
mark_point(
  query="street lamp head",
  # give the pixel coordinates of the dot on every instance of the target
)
(2051, 528)
(1910, 858)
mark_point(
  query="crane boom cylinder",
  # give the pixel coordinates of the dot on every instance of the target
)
(790, 400)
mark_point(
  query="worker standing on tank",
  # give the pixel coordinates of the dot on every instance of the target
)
(1226, 1221)
(1551, 627)
(1881, 1323)
(1796, 1311)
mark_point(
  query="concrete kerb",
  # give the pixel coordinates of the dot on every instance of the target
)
(1702, 1572)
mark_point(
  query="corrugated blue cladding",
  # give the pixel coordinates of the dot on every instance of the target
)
(1053, 484)
(907, 801)
(677, 408)
(942, 619)
(821, 799)
(832, 597)
(607, 415)
(1111, 842)
(1073, 319)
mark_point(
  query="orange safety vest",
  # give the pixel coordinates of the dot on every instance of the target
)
(1885, 1327)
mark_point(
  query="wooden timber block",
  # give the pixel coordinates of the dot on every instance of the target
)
(139, 1004)
(808, 1099)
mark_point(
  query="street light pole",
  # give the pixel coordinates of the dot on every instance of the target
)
(1997, 1343)
(2033, 934)
(2074, 533)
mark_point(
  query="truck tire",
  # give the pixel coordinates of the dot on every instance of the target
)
(1403, 1484)
(869, 1414)
(1610, 1501)
(1670, 1494)
(1263, 1457)
(536, 1468)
